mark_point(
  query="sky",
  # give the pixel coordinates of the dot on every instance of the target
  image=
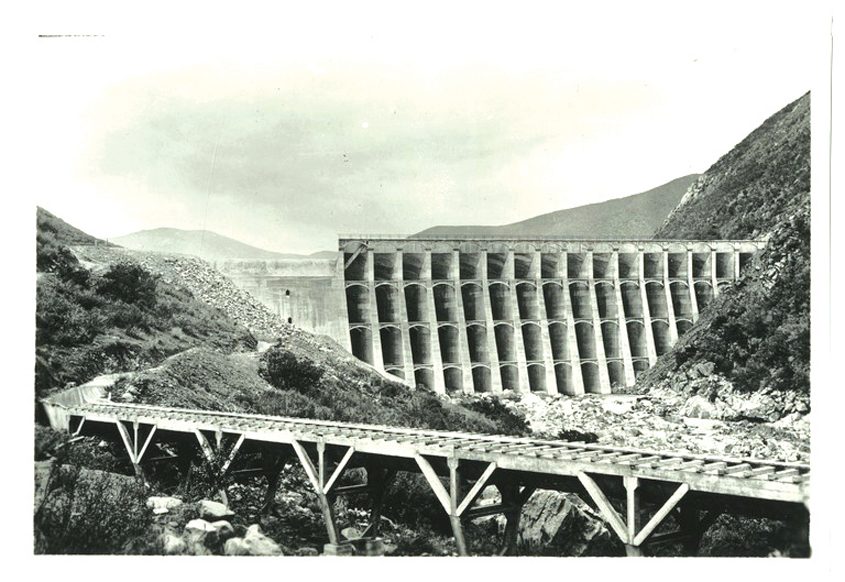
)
(363, 118)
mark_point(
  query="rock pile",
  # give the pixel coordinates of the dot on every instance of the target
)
(661, 420)
(217, 531)
(204, 281)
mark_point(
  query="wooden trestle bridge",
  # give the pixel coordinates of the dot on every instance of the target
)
(648, 485)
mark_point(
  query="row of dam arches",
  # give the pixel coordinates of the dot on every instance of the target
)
(558, 322)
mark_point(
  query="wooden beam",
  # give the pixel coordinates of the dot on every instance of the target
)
(434, 483)
(484, 510)
(232, 454)
(205, 446)
(124, 435)
(604, 506)
(477, 488)
(306, 463)
(661, 514)
(146, 443)
(339, 469)
(632, 506)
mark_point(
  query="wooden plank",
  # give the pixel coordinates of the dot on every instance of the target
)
(205, 446)
(146, 443)
(232, 454)
(476, 489)
(339, 469)
(124, 434)
(307, 464)
(485, 510)
(434, 483)
(779, 475)
(633, 506)
(604, 506)
(757, 471)
(741, 468)
(661, 514)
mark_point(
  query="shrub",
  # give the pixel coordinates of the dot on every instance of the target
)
(129, 283)
(283, 370)
(89, 512)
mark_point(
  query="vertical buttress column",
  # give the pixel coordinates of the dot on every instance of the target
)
(378, 356)
(433, 334)
(577, 387)
(670, 307)
(713, 272)
(463, 341)
(624, 342)
(548, 354)
(518, 339)
(598, 336)
(649, 332)
(495, 372)
(404, 327)
(691, 285)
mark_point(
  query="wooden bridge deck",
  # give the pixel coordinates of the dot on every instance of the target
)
(515, 465)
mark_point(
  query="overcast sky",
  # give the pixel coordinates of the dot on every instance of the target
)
(302, 125)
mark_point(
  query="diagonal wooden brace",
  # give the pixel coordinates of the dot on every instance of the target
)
(476, 490)
(604, 506)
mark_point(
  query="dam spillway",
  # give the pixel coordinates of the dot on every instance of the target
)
(545, 315)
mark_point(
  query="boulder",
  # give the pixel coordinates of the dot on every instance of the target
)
(254, 543)
(214, 511)
(259, 544)
(699, 407)
(223, 530)
(161, 505)
(307, 552)
(236, 547)
(555, 523)
(350, 533)
(172, 544)
(197, 530)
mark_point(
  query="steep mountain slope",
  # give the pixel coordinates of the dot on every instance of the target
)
(50, 225)
(633, 216)
(200, 243)
(757, 332)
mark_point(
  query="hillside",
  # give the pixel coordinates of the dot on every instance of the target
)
(633, 216)
(113, 319)
(50, 225)
(205, 244)
(757, 333)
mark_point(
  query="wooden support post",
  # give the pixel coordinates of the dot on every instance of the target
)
(378, 480)
(690, 525)
(448, 499)
(633, 515)
(454, 495)
(510, 497)
(272, 466)
(315, 476)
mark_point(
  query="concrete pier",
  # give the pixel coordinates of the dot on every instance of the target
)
(546, 315)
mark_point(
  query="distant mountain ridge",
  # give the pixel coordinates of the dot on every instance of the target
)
(635, 216)
(200, 243)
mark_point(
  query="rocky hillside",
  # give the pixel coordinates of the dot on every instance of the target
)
(205, 244)
(756, 335)
(633, 216)
(98, 319)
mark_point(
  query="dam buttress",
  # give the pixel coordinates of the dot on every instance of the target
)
(545, 315)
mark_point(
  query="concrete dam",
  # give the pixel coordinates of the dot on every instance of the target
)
(481, 314)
